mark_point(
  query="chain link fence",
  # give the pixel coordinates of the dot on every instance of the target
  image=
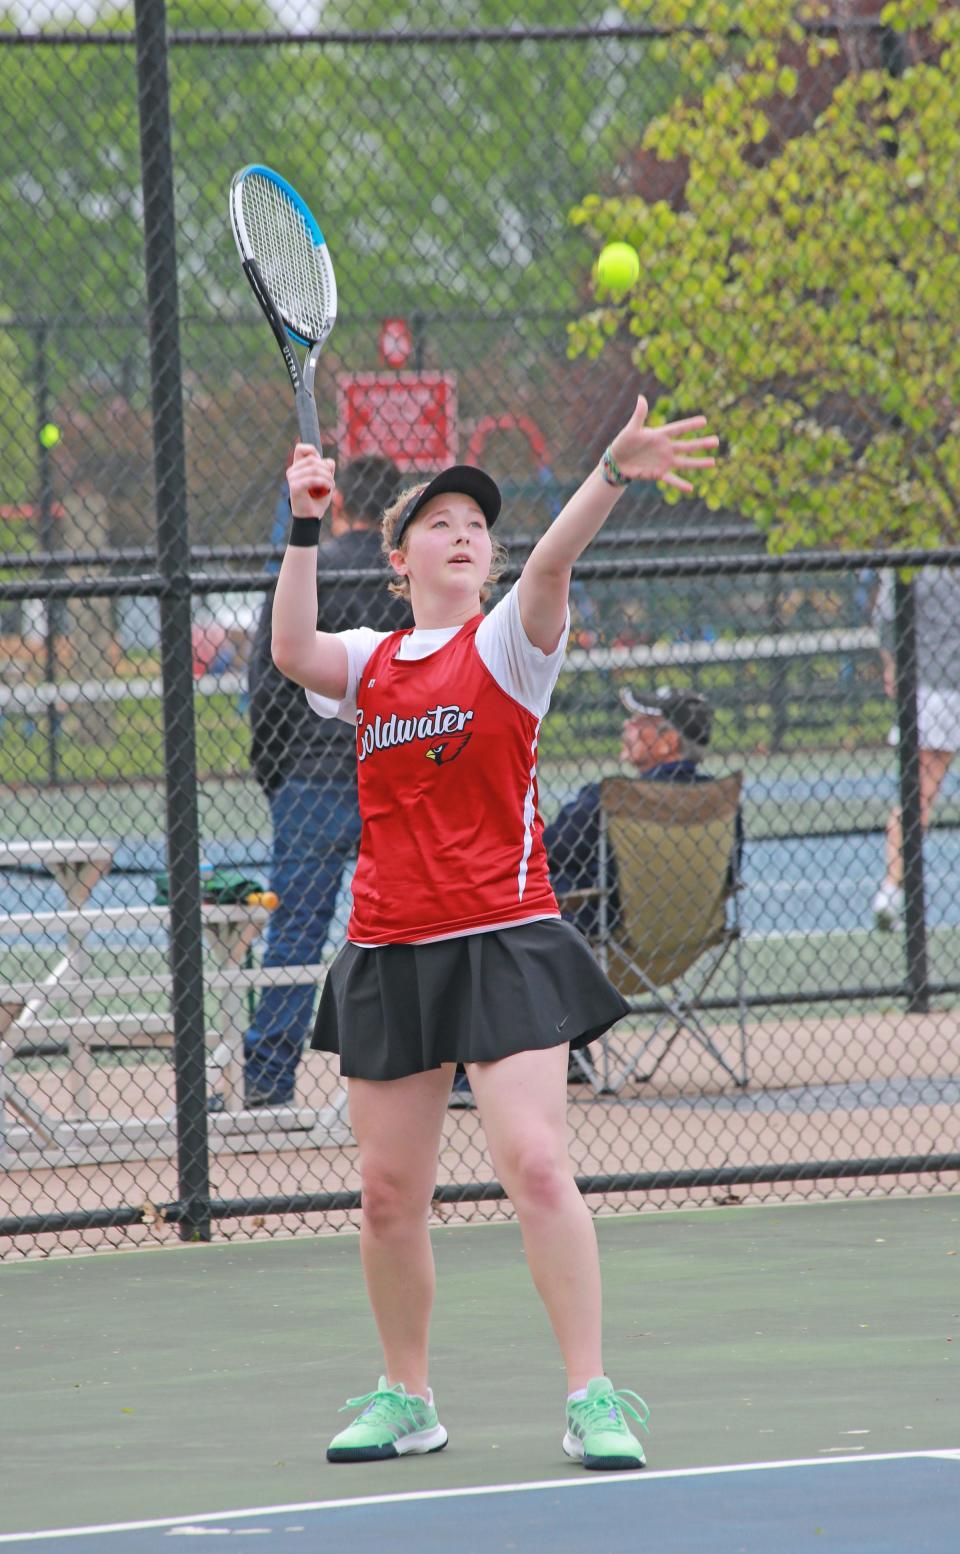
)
(177, 834)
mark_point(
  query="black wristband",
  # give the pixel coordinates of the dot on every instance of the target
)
(305, 532)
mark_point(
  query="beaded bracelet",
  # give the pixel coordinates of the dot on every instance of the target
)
(305, 532)
(611, 471)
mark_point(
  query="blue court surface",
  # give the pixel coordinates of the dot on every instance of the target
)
(891, 1504)
(794, 886)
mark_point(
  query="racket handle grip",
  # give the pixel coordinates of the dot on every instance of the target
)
(309, 425)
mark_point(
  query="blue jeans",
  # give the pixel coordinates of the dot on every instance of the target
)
(316, 832)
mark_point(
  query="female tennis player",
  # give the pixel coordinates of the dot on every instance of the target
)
(456, 950)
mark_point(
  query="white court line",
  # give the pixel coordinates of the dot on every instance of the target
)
(949, 1453)
(759, 937)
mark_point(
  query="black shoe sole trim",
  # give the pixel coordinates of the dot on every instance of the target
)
(611, 1464)
(361, 1453)
(375, 1453)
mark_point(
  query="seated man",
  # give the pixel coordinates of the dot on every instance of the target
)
(664, 739)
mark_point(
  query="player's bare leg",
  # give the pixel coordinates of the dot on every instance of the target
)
(522, 1104)
(934, 765)
(398, 1124)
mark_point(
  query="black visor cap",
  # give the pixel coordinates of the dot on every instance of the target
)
(463, 480)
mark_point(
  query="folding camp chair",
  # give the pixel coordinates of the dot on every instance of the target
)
(664, 934)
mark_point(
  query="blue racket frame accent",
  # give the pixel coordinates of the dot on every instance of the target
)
(291, 194)
(301, 379)
(300, 205)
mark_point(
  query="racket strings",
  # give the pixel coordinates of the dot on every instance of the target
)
(287, 256)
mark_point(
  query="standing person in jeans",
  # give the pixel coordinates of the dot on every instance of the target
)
(937, 609)
(307, 767)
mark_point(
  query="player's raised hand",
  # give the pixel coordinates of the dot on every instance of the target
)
(311, 480)
(657, 452)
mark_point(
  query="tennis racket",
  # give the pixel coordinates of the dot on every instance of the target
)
(286, 260)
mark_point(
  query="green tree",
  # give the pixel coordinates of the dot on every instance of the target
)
(19, 482)
(72, 245)
(442, 174)
(803, 291)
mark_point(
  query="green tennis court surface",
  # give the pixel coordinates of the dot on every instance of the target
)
(797, 1344)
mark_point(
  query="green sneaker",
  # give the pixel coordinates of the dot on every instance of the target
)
(597, 1433)
(392, 1423)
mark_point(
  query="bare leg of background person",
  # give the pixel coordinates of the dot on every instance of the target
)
(934, 765)
(888, 902)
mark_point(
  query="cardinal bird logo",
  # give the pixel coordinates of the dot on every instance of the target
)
(446, 750)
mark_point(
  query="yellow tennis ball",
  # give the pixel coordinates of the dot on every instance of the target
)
(618, 267)
(49, 435)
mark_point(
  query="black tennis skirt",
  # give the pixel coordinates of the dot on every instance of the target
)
(405, 1008)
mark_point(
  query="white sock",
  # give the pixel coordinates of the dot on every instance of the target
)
(429, 1397)
(578, 1396)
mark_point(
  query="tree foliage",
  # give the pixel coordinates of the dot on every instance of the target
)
(442, 174)
(18, 421)
(802, 291)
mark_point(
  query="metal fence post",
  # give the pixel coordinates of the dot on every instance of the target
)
(779, 674)
(173, 563)
(419, 332)
(911, 829)
(53, 608)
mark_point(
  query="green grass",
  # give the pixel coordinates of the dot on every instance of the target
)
(804, 709)
(135, 748)
(29, 964)
(793, 964)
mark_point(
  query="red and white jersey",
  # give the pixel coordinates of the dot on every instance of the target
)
(447, 765)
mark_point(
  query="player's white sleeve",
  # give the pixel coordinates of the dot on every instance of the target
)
(359, 643)
(519, 668)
